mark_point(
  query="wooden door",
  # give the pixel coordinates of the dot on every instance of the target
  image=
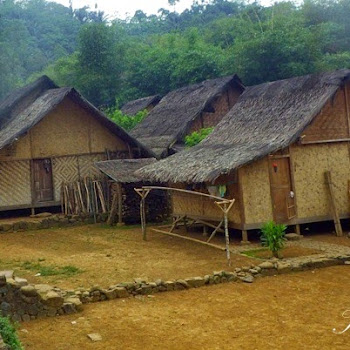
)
(283, 200)
(42, 180)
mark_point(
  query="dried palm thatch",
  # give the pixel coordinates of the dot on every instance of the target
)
(26, 107)
(133, 107)
(266, 118)
(123, 170)
(173, 117)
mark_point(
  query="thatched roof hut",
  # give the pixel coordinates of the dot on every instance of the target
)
(133, 107)
(24, 108)
(267, 117)
(185, 110)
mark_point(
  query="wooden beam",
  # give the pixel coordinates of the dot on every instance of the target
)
(337, 224)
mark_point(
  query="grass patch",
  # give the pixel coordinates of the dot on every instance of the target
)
(49, 270)
(255, 253)
(9, 335)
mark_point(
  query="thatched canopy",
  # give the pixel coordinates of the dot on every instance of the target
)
(26, 107)
(133, 107)
(123, 170)
(266, 118)
(171, 119)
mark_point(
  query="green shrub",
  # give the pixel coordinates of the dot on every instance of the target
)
(125, 121)
(197, 136)
(273, 237)
(9, 335)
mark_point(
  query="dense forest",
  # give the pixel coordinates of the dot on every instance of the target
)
(112, 60)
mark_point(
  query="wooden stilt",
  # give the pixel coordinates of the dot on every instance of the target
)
(337, 224)
(120, 205)
(32, 211)
(297, 229)
(245, 237)
(205, 231)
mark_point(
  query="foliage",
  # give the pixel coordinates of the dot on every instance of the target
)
(197, 136)
(127, 122)
(9, 335)
(273, 236)
(146, 55)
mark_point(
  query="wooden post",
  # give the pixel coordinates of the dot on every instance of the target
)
(113, 210)
(143, 193)
(120, 205)
(223, 206)
(337, 224)
(245, 237)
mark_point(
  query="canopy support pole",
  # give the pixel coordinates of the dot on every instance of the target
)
(143, 193)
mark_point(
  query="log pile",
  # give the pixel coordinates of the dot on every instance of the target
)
(157, 204)
(86, 196)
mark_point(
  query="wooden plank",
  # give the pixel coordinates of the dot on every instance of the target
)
(337, 224)
(216, 230)
(189, 239)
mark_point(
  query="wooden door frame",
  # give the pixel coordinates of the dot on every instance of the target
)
(292, 182)
(32, 175)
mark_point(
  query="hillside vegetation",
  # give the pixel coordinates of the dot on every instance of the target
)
(112, 61)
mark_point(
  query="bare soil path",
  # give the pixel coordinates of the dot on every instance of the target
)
(295, 312)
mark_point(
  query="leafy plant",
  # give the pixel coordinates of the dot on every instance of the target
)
(9, 335)
(197, 136)
(127, 122)
(273, 237)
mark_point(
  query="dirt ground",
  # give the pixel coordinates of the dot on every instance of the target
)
(294, 311)
(106, 256)
(287, 252)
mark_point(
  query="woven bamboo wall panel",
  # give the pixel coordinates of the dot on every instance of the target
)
(331, 123)
(310, 164)
(15, 185)
(256, 192)
(65, 169)
(87, 164)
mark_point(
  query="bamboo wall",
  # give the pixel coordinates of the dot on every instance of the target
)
(310, 163)
(255, 182)
(71, 137)
(205, 208)
(15, 183)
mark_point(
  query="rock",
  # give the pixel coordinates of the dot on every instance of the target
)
(248, 279)
(7, 273)
(5, 308)
(170, 285)
(53, 299)
(95, 337)
(69, 308)
(29, 291)
(41, 215)
(2, 281)
(7, 227)
(25, 318)
(245, 268)
(293, 237)
(347, 262)
(231, 276)
(267, 265)
(195, 282)
(76, 301)
(110, 294)
(21, 281)
(43, 288)
(121, 292)
(253, 271)
(283, 267)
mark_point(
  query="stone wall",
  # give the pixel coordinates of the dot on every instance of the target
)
(49, 221)
(24, 302)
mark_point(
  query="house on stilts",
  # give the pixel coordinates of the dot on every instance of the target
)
(271, 153)
(50, 135)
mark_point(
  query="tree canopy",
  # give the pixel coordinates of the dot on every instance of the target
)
(112, 61)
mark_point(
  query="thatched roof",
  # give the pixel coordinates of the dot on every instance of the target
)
(172, 118)
(123, 170)
(133, 107)
(266, 118)
(27, 106)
